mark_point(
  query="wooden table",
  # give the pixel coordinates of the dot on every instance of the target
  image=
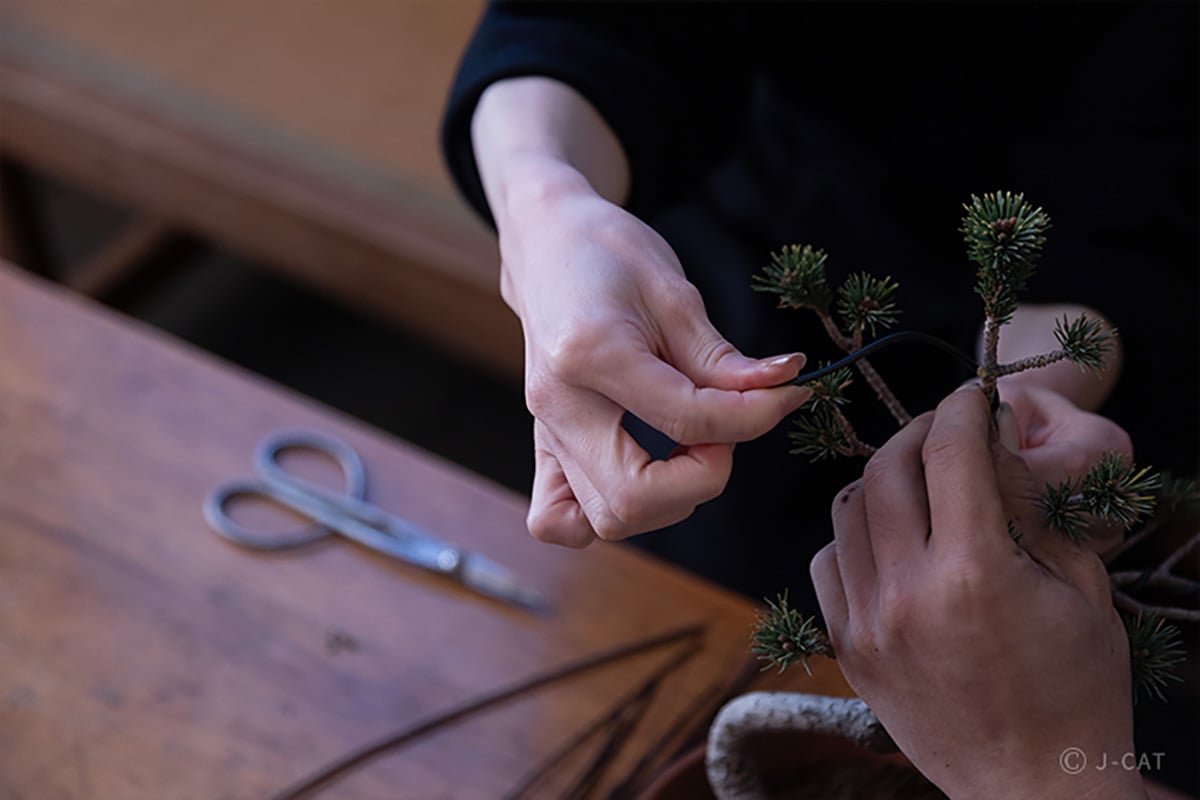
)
(300, 134)
(144, 657)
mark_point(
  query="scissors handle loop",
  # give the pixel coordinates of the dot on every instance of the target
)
(285, 488)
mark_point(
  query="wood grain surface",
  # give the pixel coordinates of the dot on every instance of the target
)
(141, 656)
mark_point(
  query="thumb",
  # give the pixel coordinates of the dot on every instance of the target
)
(701, 353)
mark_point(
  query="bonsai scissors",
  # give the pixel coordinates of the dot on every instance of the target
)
(350, 515)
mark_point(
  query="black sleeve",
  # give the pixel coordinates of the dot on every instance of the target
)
(670, 79)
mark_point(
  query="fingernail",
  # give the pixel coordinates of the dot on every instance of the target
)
(1006, 426)
(803, 394)
(779, 361)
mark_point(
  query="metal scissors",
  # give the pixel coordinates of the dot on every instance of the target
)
(352, 516)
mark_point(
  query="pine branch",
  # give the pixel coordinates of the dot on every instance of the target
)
(1144, 533)
(1065, 511)
(825, 432)
(1118, 492)
(864, 367)
(1085, 341)
(830, 389)
(782, 636)
(1155, 650)
(1030, 362)
(864, 303)
(989, 368)
(796, 275)
(1124, 601)
(857, 447)
(1168, 564)
(1004, 237)
(819, 436)
(1133, 580)
(1176, 495)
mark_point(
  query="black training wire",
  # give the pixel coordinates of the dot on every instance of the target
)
(879, 344)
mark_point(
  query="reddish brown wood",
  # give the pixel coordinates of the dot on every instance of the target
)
(144, 657)
(308, 143)
(120, 258)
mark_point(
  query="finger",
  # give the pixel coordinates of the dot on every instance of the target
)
(621, 490)
(1072, 452)
(592, 503)
(700, 352)
(646, 495)
(827, 582)
(707, 358)
(897, 504)
(856, 562)
(965, 509)
(555, 515)
(636, 379)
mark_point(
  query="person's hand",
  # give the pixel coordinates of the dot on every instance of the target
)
(1059, 441)
(995, 666)
(612, 325)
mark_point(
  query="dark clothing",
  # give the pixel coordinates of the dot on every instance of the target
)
(861, 129)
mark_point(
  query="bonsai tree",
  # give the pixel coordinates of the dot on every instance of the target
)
(1004, 235)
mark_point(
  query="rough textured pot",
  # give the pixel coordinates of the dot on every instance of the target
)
(787, 762)
(804, 765)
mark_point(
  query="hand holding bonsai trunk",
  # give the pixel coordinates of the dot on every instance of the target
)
(964, 597)
(983, 659)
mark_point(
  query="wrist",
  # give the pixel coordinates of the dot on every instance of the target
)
(532, 185)
(534, 135)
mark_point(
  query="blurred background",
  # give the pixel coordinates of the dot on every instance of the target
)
(263, 180)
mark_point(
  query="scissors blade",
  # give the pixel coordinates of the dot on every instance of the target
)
(475, 572)
(485, 576)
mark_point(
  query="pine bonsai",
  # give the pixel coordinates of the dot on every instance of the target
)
(1004, 236)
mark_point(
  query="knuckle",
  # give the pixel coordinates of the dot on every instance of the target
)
(541, 393)
(713, 485)
(896, 611)
(714, 351)
(965, 584)
(843, 647)
(859, 642)
(685, 427)
(683, 300)
(611, 529)
(553, 529)
(843, 499)
(540, 528)
(943, 448)
(629, 505)
(875, 471)
(572, 354)
(824, 561)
